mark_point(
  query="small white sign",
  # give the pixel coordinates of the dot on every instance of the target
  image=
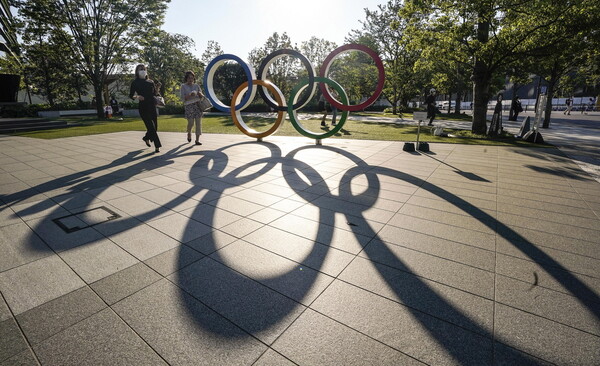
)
(419, 116)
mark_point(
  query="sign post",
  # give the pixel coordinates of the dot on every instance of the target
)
(419, 117)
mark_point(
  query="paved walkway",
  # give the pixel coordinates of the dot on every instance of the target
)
(283, 252)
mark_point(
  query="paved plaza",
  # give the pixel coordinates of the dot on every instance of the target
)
(282, 252)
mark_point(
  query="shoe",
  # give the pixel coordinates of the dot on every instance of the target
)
(333, 123)
(198, 143)
(430, 124)
(323, 123)
(147, 141)
(157, 150)
(189, 137)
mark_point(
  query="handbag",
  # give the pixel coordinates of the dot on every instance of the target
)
(205, 104)
(159, 101)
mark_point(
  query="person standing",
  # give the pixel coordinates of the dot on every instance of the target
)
(569, 103)
(331, 107)
(144, 90)
(431, 108)
(190, 94)
(516, 108)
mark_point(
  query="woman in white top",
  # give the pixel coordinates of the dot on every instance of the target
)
(190, 94)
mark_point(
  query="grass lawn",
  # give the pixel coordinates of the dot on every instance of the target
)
(81, 126)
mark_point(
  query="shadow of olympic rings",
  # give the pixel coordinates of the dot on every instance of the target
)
(260, 314)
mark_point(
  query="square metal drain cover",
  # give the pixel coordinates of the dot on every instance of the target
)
(84, 219)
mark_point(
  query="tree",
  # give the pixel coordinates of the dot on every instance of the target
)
(213, 49)
(316, 50)
(168, 56)
(100, 34)
(284, 71)
(48, 68)
(495, 34)
(384, 30)
(10, 45)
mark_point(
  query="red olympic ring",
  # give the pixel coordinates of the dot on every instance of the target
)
(380, 79)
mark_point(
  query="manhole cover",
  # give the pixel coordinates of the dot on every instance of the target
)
(84, 219)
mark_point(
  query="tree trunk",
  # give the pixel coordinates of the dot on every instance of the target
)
(98, 92)
(481, 84)
(458, 101)
(548, 111)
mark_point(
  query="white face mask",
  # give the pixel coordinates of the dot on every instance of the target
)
(142, 74)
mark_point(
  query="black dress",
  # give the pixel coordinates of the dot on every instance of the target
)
(147, 107)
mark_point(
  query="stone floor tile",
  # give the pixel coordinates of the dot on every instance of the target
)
(44, 321)
(144, 242)
(121, 284)
(25, 358)
(171, 200)
(12, 342)
(87, 343)
(36, 283)
(440, 230)
(455, 251)
(20, 245)
(552, 277)
(317, 256)
(548, 340)
(450, 304)
(184, 331)
(212, 241)
(180, 227)
(173, 260)
(345, 240)
(314, 339)
(546, 303)
(272, 358)
(236, 205)
(466, 278)
(515, 240)
(558, 258)
(300, 283)
(406, 329)
(211, 216)
(242, 227)
(253, 307)
(94, 261)
(570, 231)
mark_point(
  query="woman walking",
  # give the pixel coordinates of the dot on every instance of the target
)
(190, 94)
(145, 90)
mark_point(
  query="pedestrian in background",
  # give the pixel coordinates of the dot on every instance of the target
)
(569, 103)
(190, 94)
(144, 90)
(431, 108)
(515, 108)
(323, 102)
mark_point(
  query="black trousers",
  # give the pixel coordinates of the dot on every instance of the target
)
(148, 114)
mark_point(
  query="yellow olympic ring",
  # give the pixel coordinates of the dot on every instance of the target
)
(236, 115)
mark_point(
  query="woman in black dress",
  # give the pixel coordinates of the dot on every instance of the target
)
(144, 90)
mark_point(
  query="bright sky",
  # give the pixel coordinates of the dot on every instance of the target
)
(242, 25)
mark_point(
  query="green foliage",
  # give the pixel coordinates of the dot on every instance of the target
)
(99, 36)
(488, 37)
(168, 57)
(385, 31)
(284, 71)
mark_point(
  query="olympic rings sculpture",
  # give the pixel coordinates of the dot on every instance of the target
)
(245, 93)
